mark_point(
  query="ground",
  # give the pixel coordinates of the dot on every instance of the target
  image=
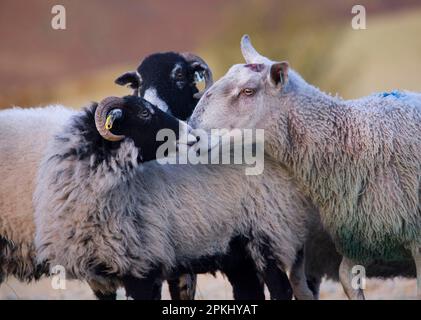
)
(208, 288)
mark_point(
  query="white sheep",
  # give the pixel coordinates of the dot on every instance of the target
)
(20, 153)
(357, 160)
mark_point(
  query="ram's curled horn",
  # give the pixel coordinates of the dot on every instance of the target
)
(250, 54)
(197, 61)
(104, 107)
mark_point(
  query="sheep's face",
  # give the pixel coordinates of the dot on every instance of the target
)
(247, 97)
(141, 121)
(168, 81)
(173, 87)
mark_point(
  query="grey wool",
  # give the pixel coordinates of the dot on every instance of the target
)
(130, 217)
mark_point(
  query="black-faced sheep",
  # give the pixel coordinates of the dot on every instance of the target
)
(357, 160)
(109, 219)
(168, 80)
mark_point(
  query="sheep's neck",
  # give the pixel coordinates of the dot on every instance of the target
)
(314, 149)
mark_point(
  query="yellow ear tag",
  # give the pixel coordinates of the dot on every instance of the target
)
(109, 122)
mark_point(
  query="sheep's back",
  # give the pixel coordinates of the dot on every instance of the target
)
(24, 134)
(161, 215)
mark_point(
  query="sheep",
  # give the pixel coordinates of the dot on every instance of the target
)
(357, 160)
(107, 218)
(168, 80)
(20, 156)
(135, 112)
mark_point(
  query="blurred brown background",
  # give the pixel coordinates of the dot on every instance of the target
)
(39, 65)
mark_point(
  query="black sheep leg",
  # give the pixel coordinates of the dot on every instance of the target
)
(183, 287)
(313, 284)
(148, 288)
(246, 285)
(101, 292)
(105, 296)
(241, 271)
(277, 282)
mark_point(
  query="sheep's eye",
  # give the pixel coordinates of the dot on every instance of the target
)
(144, 113)
(248, 91)
(179, 76)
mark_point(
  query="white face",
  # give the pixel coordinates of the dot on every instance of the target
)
(245, 97)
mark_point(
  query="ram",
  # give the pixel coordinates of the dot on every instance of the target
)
(357, 160)
(106, 221)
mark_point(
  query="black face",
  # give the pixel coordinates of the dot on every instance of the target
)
(172, 78)
(174, 81)
(141, 121)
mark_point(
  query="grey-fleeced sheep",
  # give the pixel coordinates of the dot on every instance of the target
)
(358, 160)
(107, 218)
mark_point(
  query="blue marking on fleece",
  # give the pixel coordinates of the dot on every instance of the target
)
(395, 93)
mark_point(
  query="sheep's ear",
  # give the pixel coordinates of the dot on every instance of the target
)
(278, 74)
(131, 79)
